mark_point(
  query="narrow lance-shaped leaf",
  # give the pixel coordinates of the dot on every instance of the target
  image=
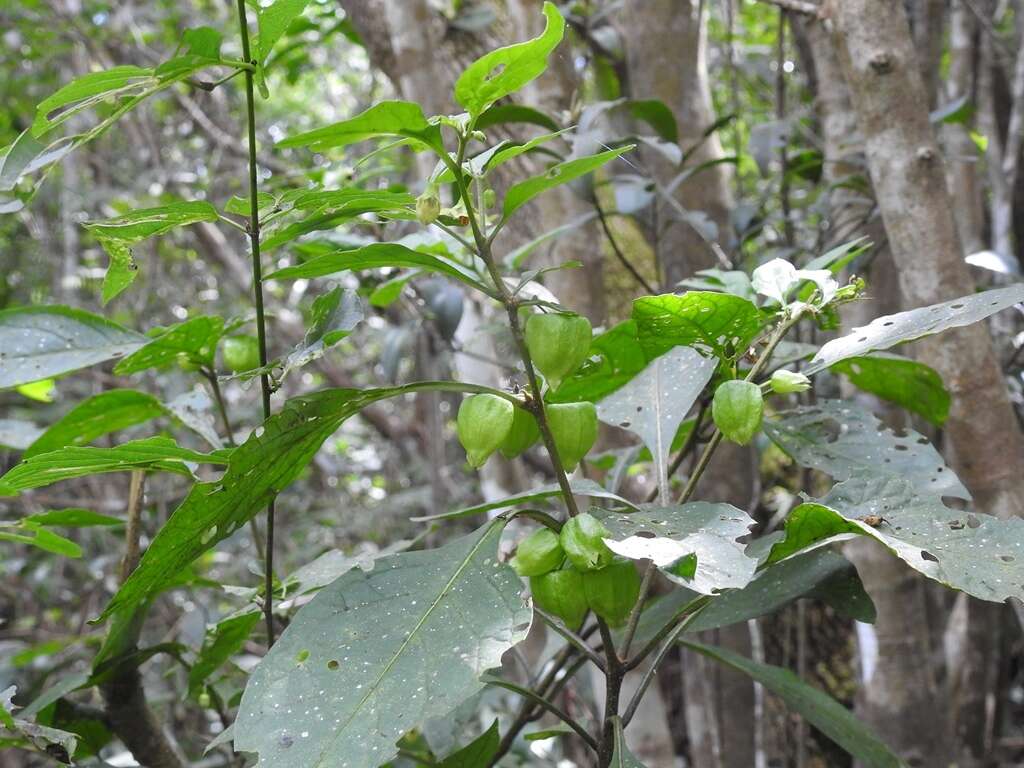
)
(499, 73)
(478, 752)
(621, 756)
(335, 315)
(818, 708)
(194, 338)
(654, 404)
(375, 256)
(890, 330)
(39, 342)
(562, 173)
(83, 91)
(376, 654)
(388, 118)
(273, 21)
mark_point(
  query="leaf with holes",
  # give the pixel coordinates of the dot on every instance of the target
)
(39, 342)
(96, 416)
(334, 316)
(673, 537)
(499, 73)
(908, 383)
(562, 173)
(818, 708)
(720, 322)
(655, 402)
(376, 654)
(195, 338)
(86, 91)
(842, 439)
(890, 330)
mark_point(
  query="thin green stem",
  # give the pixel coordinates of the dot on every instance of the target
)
(554, 709)
(257, 287)
(536, 402)
(571, 637)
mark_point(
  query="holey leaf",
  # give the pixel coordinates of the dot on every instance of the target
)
(694, 544)
(655, 402)
(376, 654)
(890, 330)
(334, 316)
(39, 342)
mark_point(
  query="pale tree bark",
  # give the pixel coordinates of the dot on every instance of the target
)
(908, 174)
(666, 43)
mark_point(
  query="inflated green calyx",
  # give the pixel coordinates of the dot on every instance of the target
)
(561, 593)
(522, 435)
(612, 591)
(737, 409)
(582, 538)
(483, 423)
(558, 344)
(574, 429)
(538, 553)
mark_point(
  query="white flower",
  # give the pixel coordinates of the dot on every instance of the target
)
(778, 276)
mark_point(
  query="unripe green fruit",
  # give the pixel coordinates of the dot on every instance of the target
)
(558, 344)
(538, 553)
(490, 198)
(574, 428)
(483, 423)
(561, 593)
(523, 434)
(613, 591)
(737, 410)
(241, 353)
(582, 538)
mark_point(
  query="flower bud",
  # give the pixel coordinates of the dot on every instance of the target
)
(428, 205)
(582, 538)
(538, 553)
(737, 409)
(483, 422)
(786, 382)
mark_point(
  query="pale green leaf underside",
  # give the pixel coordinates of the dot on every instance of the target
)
(375, 654)
(39, 342)
(890, 330)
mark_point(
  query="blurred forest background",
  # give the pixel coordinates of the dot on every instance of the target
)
(757, 139)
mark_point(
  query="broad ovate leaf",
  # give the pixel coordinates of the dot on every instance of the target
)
(39, 342)
(677, 538)
(721, 323)
(376, 654)
(499, 73)
(654, 403)
(890, 330)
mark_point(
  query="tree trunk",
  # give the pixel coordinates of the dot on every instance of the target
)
(908, 173)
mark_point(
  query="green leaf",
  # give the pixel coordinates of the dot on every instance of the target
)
(842, 439)
(263, 466)
(335, 315)
(73, 461)
(580, 487)
(196, 338)
(73, 518)
(388, 118)
(890, 330)
(375, 256)
(515, 113)
(332, 207)
(222, 641)
(375, 651)
(821, 574)
(39, 342)
(57, 744)
(499, 73)
(672, 536)
(478, 752)
(202, 49)
(121, 271)
(655, 402)
(273, 21)
(656, 114)
(816, 707)
(621, 756)
(96, 416)
(721, 323)
(908, 383)
(86, 89)
(36, 536)
(562, 173)
(42, 391)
